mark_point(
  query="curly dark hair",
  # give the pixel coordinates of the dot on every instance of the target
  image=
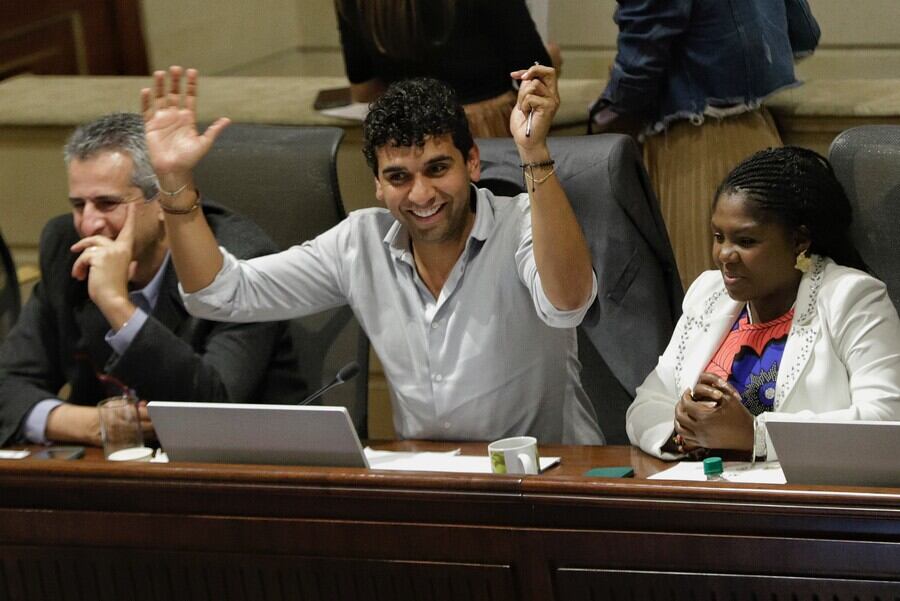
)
(409, 112)
(798, 188)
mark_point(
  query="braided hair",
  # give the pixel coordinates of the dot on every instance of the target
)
(798, 188)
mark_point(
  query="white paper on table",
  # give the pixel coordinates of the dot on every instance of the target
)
(735, 471)
(9, 454)
(355, 111)
(450, 461)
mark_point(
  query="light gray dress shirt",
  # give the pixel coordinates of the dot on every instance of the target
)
(489, 358)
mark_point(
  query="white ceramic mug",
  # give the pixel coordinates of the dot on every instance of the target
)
(518, 455)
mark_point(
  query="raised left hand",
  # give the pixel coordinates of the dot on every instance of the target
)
(538, 93)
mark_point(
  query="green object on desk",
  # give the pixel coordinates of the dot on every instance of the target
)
(610, 472)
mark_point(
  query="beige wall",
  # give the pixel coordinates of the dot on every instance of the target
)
(216, 36)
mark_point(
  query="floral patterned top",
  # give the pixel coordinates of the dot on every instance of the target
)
(749, 357)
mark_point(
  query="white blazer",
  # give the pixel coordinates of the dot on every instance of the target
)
(841, 359)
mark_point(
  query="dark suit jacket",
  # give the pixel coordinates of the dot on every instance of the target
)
(59, 339)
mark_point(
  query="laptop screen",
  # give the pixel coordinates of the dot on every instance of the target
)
(261, 434)
(841, 452)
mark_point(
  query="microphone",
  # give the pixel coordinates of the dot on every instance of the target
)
(348, 372)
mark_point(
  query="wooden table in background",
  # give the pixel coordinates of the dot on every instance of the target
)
(90, 529)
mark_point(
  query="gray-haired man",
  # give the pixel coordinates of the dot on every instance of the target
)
(107, 312)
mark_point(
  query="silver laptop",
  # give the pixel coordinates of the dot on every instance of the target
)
(269, 434)
(852, 453)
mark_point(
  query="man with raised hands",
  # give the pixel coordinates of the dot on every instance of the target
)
(107, 315)
(470, 300)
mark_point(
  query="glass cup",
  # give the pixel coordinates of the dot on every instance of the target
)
(120, 430)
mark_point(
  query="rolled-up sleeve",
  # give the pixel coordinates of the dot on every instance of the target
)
(301, 280)
(529, 275)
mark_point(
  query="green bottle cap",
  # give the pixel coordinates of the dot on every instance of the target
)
(712, 466)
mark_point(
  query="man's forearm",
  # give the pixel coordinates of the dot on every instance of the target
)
(195, 252)
(560, 251)
(175, 148)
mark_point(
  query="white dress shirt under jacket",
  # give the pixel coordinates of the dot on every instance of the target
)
(490, 357)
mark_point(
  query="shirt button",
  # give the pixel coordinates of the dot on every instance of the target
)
(434, 325)
(446, 425)
(438, 377)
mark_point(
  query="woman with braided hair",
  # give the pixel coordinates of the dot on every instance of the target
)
(789, 322)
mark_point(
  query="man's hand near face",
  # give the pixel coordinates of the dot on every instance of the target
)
(108, 266)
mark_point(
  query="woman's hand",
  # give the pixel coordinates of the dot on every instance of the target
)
(713, 416)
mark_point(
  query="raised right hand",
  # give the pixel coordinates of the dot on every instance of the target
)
(171, 126)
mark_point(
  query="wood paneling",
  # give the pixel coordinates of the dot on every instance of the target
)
(90, 529)
(77, 37)
(678, 586)
(45, 573)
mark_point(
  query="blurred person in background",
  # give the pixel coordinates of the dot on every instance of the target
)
(472, 45)
(688, 79)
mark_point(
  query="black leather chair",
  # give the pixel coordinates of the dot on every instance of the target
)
(866, 161)
(639, 296)
(10, 299)
(285, 179)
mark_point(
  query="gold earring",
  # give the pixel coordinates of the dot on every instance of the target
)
(803, 263)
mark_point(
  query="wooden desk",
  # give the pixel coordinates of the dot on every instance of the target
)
(90, 529)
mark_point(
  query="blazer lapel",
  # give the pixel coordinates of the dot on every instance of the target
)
(703, 333)
(92, 328)
(715, 327)
(804, 331)
(89, 354)
(169, 310)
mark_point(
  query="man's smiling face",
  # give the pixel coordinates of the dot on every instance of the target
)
(427, 189)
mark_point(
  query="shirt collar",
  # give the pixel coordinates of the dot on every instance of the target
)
(397, 237)
(150, 292)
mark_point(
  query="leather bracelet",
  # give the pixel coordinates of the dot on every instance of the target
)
(547, 163)
(179, 211)
(528, 172)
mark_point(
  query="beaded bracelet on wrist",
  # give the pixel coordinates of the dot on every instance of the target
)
(528, 172)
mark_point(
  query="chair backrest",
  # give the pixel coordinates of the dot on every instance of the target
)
(866, 161)
(285, 179)
(10, 300)
(639, 296)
